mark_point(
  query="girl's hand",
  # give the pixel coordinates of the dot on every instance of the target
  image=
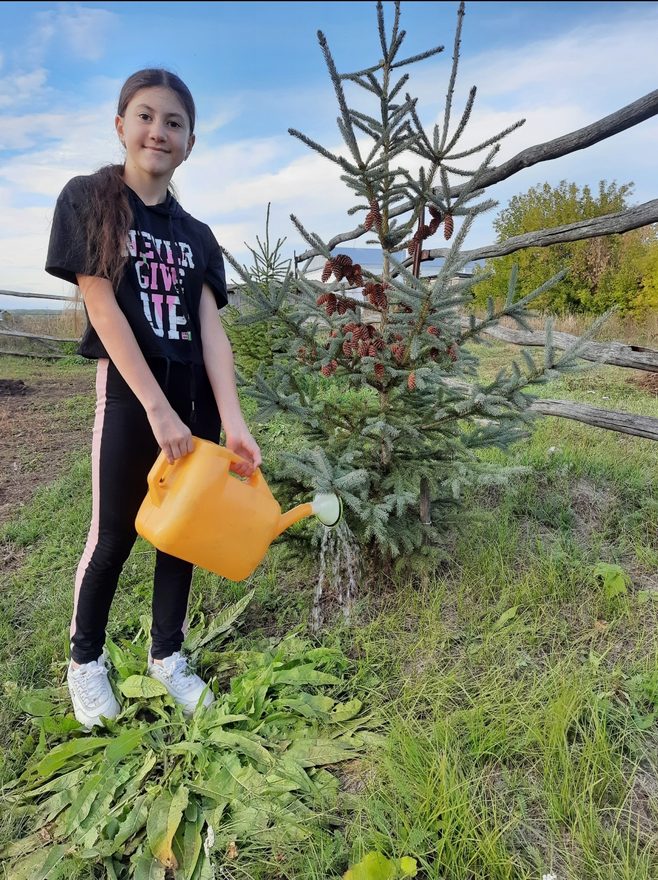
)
(240, 441)
(173, 436)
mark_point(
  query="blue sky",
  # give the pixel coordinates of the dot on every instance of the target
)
(255, 70)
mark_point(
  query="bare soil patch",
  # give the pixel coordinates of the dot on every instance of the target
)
(647, 382)
(40, 426)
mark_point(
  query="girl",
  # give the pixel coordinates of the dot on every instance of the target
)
(152, 280)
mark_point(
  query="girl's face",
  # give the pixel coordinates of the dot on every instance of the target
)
(155, 130)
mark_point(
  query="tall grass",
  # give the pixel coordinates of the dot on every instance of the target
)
(517, 693)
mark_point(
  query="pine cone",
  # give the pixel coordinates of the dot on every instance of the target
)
(356, 278)
(373, 217)
(358, 332)
(341, 266)
(342, 306)
(328, 269)
(435, 214)
(380, 371)
(323, 298)
(434, 225)
(372, 351)
(380, 299)
(448, 226)
(348, 348)
(411, 382)
(370, 291)
(378, 343)
(453, 352)
(397, 351)
(330, 307)
(364, 348)
(434, 331)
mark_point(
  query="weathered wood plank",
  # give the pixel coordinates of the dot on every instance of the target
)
(625, 423)
(27, 295)
(618, 354)
(39, 336)
(33, 354)
(626, 117)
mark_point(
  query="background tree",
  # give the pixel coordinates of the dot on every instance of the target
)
(604, 272)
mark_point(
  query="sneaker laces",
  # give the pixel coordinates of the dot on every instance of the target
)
(176, 667)
(92, 682)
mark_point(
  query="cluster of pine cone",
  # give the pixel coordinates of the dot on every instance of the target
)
(430, 228)
(333, 303)
(364, 340)
(342, 267)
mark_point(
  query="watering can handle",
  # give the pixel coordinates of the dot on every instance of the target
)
(155, 477)
(256, 479)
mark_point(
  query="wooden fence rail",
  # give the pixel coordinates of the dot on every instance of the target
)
(614, 353)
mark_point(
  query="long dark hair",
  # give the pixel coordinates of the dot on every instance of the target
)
(108, 215)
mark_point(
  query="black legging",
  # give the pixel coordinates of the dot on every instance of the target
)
(123, 451)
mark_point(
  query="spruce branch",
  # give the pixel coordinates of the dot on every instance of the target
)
(371, 85)
(453, 75)
(400, 84)
(420, 57)
(364, 128)
(350, 139)
(382, 29)
(314, 240)
(492, 140)
(419, 127)
(396, 42)
(375, 84)
(339, 160)
(368, 120)
(463, 122)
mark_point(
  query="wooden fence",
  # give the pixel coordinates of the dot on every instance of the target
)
(618, 354)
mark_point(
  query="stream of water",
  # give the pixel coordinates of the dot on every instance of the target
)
(339, 573)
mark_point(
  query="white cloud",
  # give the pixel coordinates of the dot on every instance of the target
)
(19, 89)
(80, 30)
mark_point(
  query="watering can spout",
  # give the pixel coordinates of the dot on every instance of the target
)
(327, 507)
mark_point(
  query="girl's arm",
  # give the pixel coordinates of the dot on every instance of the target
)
(218, 360)
(114, 331)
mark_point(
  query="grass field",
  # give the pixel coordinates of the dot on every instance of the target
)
(515, 685)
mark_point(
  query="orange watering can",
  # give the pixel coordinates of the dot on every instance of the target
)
(197, 510)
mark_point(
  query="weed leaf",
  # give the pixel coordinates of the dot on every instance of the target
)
(38, 865)
(142, 686)
(222, 624)
(56, 759)
(163, 819)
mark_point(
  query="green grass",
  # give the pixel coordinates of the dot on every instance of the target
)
(519, 695)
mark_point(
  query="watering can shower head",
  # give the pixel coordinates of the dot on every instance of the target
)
(328, 508)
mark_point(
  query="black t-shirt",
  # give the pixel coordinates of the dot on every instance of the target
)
(171, 255)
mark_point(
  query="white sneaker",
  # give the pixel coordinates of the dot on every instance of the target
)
(91, 693)
(183, 685)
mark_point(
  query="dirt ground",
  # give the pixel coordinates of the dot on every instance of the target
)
(42, 420)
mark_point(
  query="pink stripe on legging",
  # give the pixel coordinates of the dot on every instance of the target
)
(92, 537)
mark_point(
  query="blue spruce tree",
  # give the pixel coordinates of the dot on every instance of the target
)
(379, 371)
